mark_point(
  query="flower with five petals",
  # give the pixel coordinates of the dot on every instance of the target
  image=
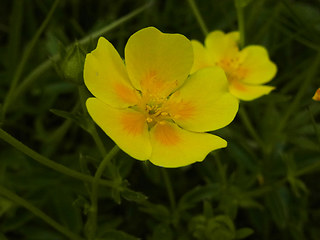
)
(150, 106)
(246, 69)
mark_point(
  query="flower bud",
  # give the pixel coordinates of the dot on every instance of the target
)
(72, 64)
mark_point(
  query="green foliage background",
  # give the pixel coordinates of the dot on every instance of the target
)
(264, 185)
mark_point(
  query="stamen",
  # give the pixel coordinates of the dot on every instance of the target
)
(149, 119)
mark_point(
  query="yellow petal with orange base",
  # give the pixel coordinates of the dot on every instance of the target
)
(257, 65)
(158, 63)
(248, 92)
(175, 147)
(126, 127)
(106, 78)
(221, 45)
(316, 96)
(204, 102)
(201, 58)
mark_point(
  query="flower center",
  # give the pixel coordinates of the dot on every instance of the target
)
(154, 109)
(233, 69)
(156, 112)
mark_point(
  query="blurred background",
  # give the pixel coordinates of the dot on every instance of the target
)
(264, 185)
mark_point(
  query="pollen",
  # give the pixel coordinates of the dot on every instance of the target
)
(149, 119)
(162, 122)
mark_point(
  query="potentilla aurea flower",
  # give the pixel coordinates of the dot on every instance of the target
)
(246, 69)
(150, 106)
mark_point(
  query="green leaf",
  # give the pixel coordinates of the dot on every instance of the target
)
(225, 220)
(243, 233)
(115, 194)
(5, 205)
(277, 208)
(250, 203)
(157, 211)
(79, 119)
(198, 194)
(64, 209)
(133, 196)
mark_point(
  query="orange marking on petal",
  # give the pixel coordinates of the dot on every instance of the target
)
(316, 96)
(133, 123)
(181, 109)
(153, 84)
(127, 94)
(240, 87)
(185, 110)
(166, 134)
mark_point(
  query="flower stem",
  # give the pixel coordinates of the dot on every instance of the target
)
(263, 190)
(36, 211)
(241, 25)
(169, 188)
(246, 121)
(221, 169)
(314, 124)
(93, 130)
(93, 211)
(49, 163)
(198, 16)
(24, 60)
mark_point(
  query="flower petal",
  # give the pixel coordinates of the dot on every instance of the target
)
(126, 127)
(258, 67)
(176, 147)
(204, 103)
(106, 78)
(221, 45)
(201, 59)
(158, 63)
(316, 96)
(248, 92)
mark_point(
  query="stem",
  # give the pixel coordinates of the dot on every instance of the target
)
(221, 169)
(93, 212)
(308, 169)
(316, 130)
(241, 26)
(36, 211)
(25, 58)
(266, 189)
(34, 75)
(93, 130)
(295, 103)
(198, 16)
(246, 121)
(49, 163)
(115, 24)
(169, 188)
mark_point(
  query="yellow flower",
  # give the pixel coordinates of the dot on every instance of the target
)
(150, 106)
(316, 95)
(246, 70)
